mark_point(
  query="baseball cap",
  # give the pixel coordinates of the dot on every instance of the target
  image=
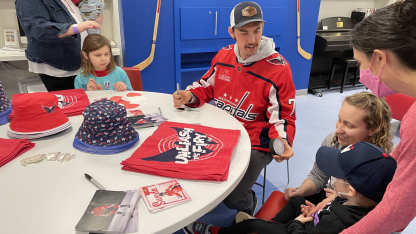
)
(105, 129)
(245, 13)
(366, 167)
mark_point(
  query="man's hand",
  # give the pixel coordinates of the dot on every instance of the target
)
(92, 85)
(287, 153)
(304, 219)
(291, 192)
(181, 99)
(120, 86)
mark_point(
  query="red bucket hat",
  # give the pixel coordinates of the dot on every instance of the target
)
(37, 113)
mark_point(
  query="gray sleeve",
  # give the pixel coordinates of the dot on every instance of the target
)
(316, 175)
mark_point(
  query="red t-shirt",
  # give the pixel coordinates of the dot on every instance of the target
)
(185, 151)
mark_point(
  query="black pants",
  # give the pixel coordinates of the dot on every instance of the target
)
(53, 83)
(316, 198)
(280, 225)
(241, 198)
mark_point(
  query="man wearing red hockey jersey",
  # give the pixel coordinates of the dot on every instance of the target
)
(253, 83)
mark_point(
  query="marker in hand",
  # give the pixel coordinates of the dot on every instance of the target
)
(177, 92)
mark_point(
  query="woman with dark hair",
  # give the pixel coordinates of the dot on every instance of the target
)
(384, 44)
(54, 31)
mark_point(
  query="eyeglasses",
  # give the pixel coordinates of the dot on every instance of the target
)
(332, 181)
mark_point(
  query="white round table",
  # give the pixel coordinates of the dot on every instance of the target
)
(50, 197)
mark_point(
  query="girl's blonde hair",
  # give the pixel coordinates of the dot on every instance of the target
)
(92, 43)
(377, 118)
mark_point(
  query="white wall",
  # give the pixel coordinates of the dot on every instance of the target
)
(334, 8)
(383, 3)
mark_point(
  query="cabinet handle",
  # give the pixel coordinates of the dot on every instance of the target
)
(216, 22)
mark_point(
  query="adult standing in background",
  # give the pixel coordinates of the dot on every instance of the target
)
(55, 32)
(384, 44)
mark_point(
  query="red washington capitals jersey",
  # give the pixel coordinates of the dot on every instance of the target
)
(261, 95)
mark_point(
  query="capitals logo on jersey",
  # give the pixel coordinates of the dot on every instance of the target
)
(277, 61)
(227, 47)
(224, 104)
(187, 145)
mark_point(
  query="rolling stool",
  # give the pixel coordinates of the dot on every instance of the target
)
(347, 63)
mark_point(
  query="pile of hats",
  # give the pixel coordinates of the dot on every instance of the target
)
(37, 115)
(5, 107)
(11, 148)
(105, 130)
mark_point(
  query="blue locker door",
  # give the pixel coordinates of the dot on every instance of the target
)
(224, 22)
(199, 23)
(276, 21)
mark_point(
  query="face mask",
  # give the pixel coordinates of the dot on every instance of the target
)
(378, 87)
(332, 183)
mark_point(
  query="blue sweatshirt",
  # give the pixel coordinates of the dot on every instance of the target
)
(104, 82)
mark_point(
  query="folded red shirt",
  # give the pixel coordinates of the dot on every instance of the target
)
(72, 101)
(185, 151)
(11, 148)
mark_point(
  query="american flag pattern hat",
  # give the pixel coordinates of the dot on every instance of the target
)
(5, 107)
(106, 129)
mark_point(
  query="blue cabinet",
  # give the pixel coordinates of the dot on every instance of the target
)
(199, 23)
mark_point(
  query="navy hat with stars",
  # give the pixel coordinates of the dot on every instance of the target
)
(105, 129)
(366, 167)
(5, 107)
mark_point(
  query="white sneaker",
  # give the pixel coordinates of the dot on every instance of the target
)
(241, 216)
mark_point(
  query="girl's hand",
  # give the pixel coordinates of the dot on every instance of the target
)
(321, 205)
(92, 85)
(306, 209)
(120, 86)
(304, 219)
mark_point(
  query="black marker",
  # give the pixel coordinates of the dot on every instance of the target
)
(94, 182)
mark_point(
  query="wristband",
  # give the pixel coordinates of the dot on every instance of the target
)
(191, 100)
(75, 28)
